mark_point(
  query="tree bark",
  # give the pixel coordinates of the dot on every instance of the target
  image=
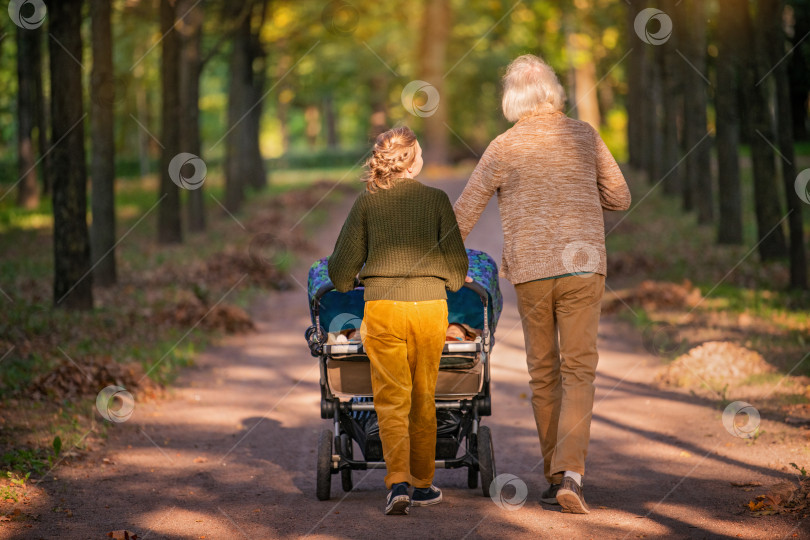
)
(436, 24)
(770, 234)
(244, 165)
(257, 175)
(170, 227)
(72, 276)
(43, 123)
(378, 90)
(784, 121)
(239, 91)
(635, 90)
(799, 71)
(730, 41)
(330, 121)
(102, 166)
(190, 30)
(29, 68)
(586, 99)
(698, 161)
(672, 102)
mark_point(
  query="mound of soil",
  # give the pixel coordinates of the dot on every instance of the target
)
(714, 364)
(192, 311)
(86, 377)
(655, 296)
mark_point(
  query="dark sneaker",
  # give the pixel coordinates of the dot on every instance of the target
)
(426, 496)
(569, 496)
(398, 502)
(549, 496)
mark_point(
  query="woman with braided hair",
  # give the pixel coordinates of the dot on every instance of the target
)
(403, 239)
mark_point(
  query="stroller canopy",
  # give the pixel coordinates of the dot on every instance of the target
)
(339, 311)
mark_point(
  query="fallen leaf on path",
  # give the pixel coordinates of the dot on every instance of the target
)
(746, 484)
(755, 505)
(781, 493)
(200, 459)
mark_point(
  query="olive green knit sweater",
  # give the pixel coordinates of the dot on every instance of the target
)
(405, 243)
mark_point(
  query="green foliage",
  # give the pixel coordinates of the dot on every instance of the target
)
(801, 470)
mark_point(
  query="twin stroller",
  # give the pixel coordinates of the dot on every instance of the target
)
(462, 390)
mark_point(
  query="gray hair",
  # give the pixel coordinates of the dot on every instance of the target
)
(528, 84)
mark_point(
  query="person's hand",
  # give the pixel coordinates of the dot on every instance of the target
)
(468, 279)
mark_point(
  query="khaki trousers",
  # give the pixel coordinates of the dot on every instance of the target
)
(560, 322)
(404, 342)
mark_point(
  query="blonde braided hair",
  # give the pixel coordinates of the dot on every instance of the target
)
(394, 151)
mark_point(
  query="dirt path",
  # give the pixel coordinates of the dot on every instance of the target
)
(232, 454)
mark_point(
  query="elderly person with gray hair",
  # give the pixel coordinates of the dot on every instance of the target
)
(553, 176)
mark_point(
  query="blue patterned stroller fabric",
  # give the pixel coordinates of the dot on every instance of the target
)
(339, 311)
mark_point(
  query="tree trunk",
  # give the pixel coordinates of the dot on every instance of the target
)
(43, 123)
(170, 227)
(244, 165)
(672, 102)
(698, 162)
(771, 236)
(586, 100)
(635, 90)
(330, 121)
(799, 71)
(102, 166)
(784, 117)
(257, 176)
(436, 24)
(378, 91)
(239, 92)
(190, 68)
(28, 70)
(655, 135)
(730, 40)
(72, 277)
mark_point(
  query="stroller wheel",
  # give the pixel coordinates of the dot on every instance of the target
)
(323, 484)
(486, 459)
(346, 450)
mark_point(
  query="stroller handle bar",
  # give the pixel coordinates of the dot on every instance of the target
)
(476, 287)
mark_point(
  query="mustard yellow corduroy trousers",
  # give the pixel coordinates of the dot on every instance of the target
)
(404, 342)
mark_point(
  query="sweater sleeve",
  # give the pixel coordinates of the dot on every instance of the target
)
(452, 246)
(350, 250)
(484, 182)
(613, 191)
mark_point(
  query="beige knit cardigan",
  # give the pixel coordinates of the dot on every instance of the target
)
(553, 176)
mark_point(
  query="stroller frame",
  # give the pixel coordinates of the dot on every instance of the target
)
(335, 447)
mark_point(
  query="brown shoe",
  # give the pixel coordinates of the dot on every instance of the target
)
(549, 496)
(570, 497)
